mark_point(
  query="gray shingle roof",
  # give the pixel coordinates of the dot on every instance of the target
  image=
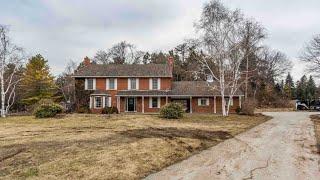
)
(124, 70)
(180, 88)
(196, 88)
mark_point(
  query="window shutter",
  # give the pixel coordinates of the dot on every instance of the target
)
(207, 101)
(159, 101)
(137, 83)
(231, 101)
(150, 102)
(90, 103)
(94, 84)
(109, 101)
(199, 101)
(107, 84)
(103, 101)
(150, 83)
(86, 84)
(129, 84)
(159, 83)
(115, 83)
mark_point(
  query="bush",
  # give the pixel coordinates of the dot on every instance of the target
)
(47, 110)
(83, 110)
(248, 107)
(110, 110)
(172, 111)
(238, 110)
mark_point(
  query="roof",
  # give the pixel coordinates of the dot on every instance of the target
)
(180, 88)
(124, 70)
(197, 88)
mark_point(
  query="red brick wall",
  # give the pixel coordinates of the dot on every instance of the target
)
(122, 83)
(236, 104)
(202, 109)
(101, 83)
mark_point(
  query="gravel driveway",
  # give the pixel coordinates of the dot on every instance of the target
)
(282, 148)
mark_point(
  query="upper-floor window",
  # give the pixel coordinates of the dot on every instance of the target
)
(90, 84)
(133, 83)
(154, 83)
(111, 84)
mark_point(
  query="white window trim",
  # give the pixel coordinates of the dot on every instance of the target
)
(108, 84)
(158, 102)
(207, 101)
(159, 83)
(151, 84)
(109, 101)
(86, 84)
(129, 84)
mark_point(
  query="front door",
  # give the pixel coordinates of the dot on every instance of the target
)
(131, 104)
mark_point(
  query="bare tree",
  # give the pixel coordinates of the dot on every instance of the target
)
(120, 53)
(11, 58)
(102, 57)
(65, 82)
(253, 33)
(222, 38)
(311, 55)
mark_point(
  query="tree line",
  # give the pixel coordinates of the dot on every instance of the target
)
(229, 52)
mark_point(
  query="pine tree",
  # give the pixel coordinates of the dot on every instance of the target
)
(37, 81)
(289, 87)
(311, 89)
(302, 88)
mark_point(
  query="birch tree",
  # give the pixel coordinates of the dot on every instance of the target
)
(11, 58)
(221, 35)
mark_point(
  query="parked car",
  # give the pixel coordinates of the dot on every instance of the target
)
(315, 105)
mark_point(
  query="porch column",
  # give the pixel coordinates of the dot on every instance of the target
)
(90, 103)
(240, 101)
(142, 104)
(166, 99)
(190, 104)
(215, 105)
(118, 103)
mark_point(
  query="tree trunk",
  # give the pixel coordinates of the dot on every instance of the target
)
(3, 109)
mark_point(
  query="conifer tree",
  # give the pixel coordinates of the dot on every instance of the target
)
(37, 82)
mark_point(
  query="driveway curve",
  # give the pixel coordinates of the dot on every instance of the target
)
(282, 148)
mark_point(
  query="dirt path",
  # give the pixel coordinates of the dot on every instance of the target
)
(282, 148)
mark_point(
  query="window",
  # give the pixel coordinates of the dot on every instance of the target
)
(154, 83)
(154, 102)
(98, 102)
(203, 102)
(133, 83)
(227, 101)
(112, 83)
(90, 84)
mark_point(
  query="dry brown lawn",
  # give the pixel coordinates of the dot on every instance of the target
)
(101, 147)
(316, 120)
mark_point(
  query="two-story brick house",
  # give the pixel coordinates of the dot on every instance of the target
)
(144, 88)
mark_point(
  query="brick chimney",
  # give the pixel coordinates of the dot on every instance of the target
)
(86, 61)
(170, 63)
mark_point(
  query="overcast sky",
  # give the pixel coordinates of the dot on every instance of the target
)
(61, 30)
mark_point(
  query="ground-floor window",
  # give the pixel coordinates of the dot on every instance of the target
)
(154, 102)
(98, 102)
(227, 99)
(203, 102)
